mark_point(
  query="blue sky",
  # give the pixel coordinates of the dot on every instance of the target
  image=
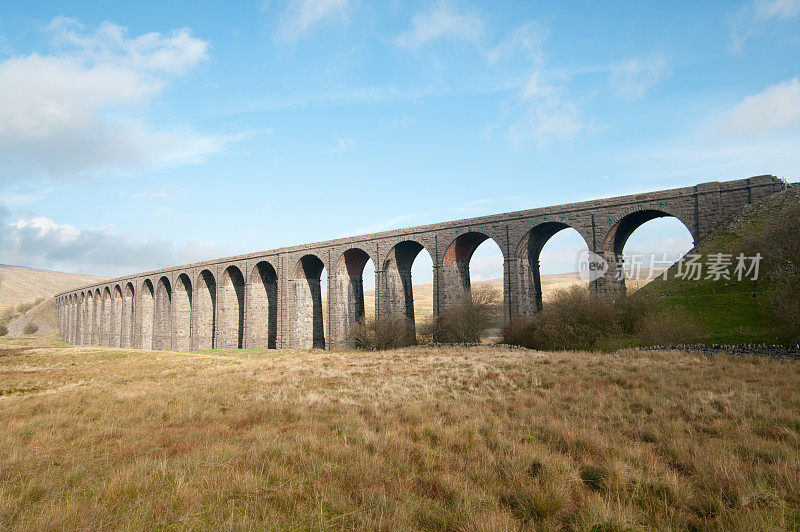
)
(139, 136)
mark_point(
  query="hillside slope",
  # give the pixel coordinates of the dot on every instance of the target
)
(737, 311)
(25, 285)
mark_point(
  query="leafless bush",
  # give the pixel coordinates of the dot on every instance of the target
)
(385, 332)
(3, 330)
(22, 308)
(30, 328)
(672, 327)
(468, 319)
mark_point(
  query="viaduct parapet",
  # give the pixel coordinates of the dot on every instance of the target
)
(273, 299)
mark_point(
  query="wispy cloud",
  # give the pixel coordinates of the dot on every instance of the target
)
(300, 17)
(632, 79)
(775, 109)
(441, 20)
(55, 112)
(340, 145)
(752, 18)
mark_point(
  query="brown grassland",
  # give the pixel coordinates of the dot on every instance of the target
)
(422, 438)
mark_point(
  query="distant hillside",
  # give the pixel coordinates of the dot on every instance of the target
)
(25, 285)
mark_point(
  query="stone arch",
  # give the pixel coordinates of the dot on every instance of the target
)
(527, 276)
(262, 307)
(230, 319)
(146, 314)
(618, 235)
(348, 306)
(454, 275)
(82, 327)
(308, 329)
(97, 306)
(128, 315)
(162, 320)
(397, 293)
(205, 308)
(115, 335)
(105, 317)
(182, 313)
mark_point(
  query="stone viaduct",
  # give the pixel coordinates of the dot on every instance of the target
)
(273, 299)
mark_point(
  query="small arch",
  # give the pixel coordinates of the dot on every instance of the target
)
(307, 318)
(205, 310)
(147, 307)
(182, 313)
(262, 307)
(231, 309)
(162, 324)
(128, 316)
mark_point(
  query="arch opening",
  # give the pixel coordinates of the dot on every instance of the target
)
(645, 243)
(205, 310)
(97, 308)
(105, 318)
(182, 313)
(408, 261)
(116, 318)
(349, 300)
(147, 314)
(308, 321)
(262, 309)
(231, 309)
(128, 316)
(162, 324)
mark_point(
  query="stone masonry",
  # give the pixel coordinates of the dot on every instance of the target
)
(273, 299)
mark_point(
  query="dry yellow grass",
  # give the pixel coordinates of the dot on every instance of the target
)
(24, 285)
(458, 438)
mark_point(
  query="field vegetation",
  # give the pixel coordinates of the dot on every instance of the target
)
(417, 438)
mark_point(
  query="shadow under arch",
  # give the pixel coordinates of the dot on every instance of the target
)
(348, 295)
(230, 316)
(116, 317)
(528, 256)
(204, 309)
(182, 313)
(305, 290)
(162, 321)
(105, 317)
(262, 307)
(396, 286)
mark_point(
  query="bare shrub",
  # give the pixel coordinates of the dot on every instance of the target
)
(672, 327)
(384, 332)
(469, 318)
(575, 319)
(22, 308)
(30, 328)
(3, 330)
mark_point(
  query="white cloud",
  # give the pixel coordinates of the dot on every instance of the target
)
(74, 111)
(300, 16)
(776, 108)
(751, 19)
(443, 20)
(340, 145)
(525, 42)
(545, 114)
(633, 78)
(40, 242)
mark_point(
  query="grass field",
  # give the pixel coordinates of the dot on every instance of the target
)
(457, 438)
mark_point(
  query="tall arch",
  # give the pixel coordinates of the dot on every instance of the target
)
(162, 321)
(182, 313)
(527, 276)
(230, 319)
(262, 307)
(308, 329)
(348, 306)
(105, 317)
(115, 338)
(454, 275)
(128, 316)
(395, 284)
(147, 307)
(97, 307)
(205, 308)
(81, 328)
(618, 235)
